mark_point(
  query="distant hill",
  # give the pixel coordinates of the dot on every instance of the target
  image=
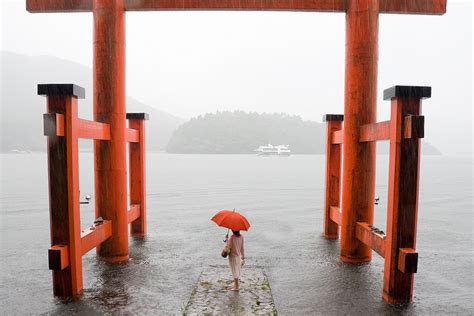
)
(21, 117)
(240, 133)
(22, 109)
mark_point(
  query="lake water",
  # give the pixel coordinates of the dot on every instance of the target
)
(281, 197)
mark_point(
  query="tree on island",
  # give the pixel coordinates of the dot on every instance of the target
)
(239, 132)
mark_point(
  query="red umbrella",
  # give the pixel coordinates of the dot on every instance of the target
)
(231, 220)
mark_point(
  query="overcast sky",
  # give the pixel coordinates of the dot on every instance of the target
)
(190, 63)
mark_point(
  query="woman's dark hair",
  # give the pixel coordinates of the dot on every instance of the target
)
(236, 232)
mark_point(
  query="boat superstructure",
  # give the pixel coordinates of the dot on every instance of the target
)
(270, 150)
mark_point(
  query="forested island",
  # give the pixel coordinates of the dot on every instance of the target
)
(240, 132)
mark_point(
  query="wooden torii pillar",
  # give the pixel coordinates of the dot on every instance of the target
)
(358, 174)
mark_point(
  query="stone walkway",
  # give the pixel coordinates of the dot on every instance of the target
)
(212, 297)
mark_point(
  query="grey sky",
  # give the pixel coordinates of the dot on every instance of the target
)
(189, 63)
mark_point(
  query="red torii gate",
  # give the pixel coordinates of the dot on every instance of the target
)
(358, 159)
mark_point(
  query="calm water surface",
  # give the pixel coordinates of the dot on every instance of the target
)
(282, 198)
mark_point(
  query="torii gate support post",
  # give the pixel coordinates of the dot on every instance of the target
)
(332, 182)
(401, 258)
(63, 128)
(109, 107)
(65, 257)
(398, 246)
(136, 160)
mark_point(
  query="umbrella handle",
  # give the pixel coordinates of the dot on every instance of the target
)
(226, 236)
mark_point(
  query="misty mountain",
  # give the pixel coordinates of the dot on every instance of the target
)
(239, 132)
(22, 109)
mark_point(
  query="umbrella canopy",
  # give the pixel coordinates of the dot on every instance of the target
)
(231, 219)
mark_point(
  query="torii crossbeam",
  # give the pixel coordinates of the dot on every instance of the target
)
(385, 6)
(362, 25)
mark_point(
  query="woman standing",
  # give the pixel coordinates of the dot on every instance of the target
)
(236, 257)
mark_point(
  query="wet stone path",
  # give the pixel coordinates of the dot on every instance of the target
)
(211, 296)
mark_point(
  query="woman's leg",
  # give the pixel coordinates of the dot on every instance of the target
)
(232, 269)
(236, 285)
(235, 268)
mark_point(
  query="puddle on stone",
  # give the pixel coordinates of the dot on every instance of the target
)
(212, 296)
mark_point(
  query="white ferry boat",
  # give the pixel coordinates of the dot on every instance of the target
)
(270, 150)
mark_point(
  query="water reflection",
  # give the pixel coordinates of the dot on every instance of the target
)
(110, 288)
(116, 285)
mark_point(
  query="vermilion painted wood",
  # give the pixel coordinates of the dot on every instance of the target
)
(133, 212)
(66, 282)
(109, 108)
(375, 131)
(58, 196)
(373, 240)
(277, 5)
(335, 214)
(58, 257)
(337, 137)
(72, 157)
(413, 6)
(64, 195)
(92, 238)
(58, 6)
(133, 136)
(137, 177)
(333, 180)
(414, 126)
(386, 6)
(407, 260)
(358, 175)
(54, 125)
(402, 201)
(94, 130)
